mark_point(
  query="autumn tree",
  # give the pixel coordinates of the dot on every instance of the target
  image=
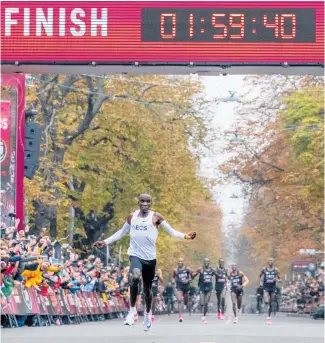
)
(279, 160)
(107, 139)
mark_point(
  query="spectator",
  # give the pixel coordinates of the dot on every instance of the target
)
(30, 261)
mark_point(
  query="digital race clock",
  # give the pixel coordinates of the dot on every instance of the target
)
(228, 25)
(165, 32)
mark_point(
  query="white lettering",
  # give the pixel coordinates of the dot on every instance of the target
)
(74, 13)
(26, 21)
(8, 21)
(56, 21)
(3, 123)
(41, 20)
(98, 22)
(62, 22)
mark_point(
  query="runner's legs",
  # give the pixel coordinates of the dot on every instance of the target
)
(207, 297)
(223, 300)
(234, 303)
(148, 273)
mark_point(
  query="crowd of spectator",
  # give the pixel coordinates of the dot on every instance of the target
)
(305, 294)
(30, 261)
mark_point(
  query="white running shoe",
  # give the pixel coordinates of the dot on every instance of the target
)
(204, 320)
(236, 320)
(129, 320)
(147, 323)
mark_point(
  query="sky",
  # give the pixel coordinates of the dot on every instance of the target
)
(224, 120)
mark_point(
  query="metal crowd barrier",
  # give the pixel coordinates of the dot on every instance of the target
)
(60, 305)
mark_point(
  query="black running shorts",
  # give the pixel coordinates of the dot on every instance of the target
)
(147, 268)
(206, 288)
(154, 291)
(238, 293)
(185, 288)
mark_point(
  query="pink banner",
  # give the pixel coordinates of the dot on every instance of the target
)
(5, 137)
(7, 153)
(14, 186)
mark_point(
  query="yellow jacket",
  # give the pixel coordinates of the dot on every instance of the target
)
(34, 277)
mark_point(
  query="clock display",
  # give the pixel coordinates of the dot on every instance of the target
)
(228, 25)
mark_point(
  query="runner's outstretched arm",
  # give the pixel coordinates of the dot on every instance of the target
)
(172, 232)
(117, 235)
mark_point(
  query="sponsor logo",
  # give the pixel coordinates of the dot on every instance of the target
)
(66, 304)
(140, 227)
(26, 298)
(42, 302)
(3, 150)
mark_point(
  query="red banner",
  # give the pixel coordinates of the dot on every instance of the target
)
(27, 301)
(22, 301)
(261, 32)
(72, 303)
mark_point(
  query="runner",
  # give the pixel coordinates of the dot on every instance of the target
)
(127, 282)
(238, 281)
(143, 227)
(221, 288)
(205, 285)
(259, 298)
(138, 301)
(269, 276)
(155, 283)
(182, 275)
(169, 297)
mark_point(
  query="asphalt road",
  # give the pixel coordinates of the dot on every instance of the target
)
(251, 328)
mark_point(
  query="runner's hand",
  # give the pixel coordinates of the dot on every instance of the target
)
(190, 235)
(99, 244)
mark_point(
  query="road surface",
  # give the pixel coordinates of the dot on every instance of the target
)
(251, 329)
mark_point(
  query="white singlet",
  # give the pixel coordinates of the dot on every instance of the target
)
(143, 234)
(143, 237)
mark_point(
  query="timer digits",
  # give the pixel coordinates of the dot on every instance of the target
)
(278, 25)
(229, 25)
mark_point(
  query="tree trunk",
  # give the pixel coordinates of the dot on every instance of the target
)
(72, 215)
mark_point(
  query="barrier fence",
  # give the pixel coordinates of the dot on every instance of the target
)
(28, 301)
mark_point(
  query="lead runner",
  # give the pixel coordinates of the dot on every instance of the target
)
(143, 227)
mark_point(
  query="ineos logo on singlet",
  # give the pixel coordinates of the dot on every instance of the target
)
(140, 227)
(221, 276)
(221, 279)
(207, 276)
(182, 275)
(270, 276)
(235, 280)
